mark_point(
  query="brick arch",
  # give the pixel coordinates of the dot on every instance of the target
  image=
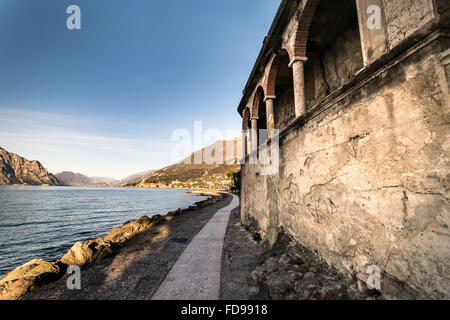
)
(289, 50)
(274, 67)
(258, 95)
(272, 76)
(245, 118)
(304, 23)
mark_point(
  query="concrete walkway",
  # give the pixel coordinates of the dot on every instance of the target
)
(196, 274)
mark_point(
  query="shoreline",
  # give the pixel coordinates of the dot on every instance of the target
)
(37, 273)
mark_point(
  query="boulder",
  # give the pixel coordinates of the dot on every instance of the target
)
(156, 219)
(272, 265)
(28, 277)
(129, 230)
(280, 284)
(144, 221)
(290, 271)
(259, 275)
(174, 213)
(83, 253)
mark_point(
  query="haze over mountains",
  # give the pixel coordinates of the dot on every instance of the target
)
(80, 180)
(196, 171)
(77, 179)
(133, 178)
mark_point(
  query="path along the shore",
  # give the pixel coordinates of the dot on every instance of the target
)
(189, 247)
(204, 254)
(196, 274)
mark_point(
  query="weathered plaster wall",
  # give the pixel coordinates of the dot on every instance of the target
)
(334, 66)
(404, 17)
(284, 108)
(367, 181)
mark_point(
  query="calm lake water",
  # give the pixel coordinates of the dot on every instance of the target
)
(44, 222)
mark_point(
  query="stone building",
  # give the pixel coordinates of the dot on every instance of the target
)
(359, 91)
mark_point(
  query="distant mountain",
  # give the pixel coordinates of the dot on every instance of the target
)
(201, 175)
(77, 179)
(137, 177)
(17, 170)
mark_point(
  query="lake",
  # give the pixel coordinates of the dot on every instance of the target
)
(44, 222)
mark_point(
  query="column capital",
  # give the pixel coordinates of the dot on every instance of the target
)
(269, 98)
(297, 58)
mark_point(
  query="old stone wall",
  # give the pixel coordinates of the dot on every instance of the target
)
(338, 62)
(404, 17)
(284, 110)
(366, 182)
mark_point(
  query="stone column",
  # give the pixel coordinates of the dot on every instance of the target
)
(299, 84)
(254, 141)
(243, 146)
(270, 115)
(246, 142)
(254, 134)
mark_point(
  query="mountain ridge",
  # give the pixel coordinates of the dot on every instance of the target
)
(195, 171)
(15, 169)
(70, 178)
(133, 178)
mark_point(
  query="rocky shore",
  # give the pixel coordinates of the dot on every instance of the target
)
(287, 271)
(132, 261)
(290, 271)
(37, 273)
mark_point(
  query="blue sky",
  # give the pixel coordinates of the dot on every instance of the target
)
(104, 100)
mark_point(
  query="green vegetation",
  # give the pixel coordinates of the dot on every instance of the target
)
(236, 186)
(231, 173)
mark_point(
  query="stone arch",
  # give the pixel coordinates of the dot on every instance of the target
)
(274, 65)
(279, 87)
(304, 23)
(258, 114)
(258, 99)
(246, 125)
(332, 44)
(272, 76)
(286, 46)
(246, 119)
